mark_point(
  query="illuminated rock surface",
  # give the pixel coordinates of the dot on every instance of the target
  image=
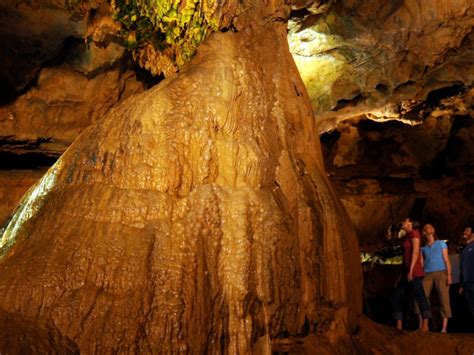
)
(381, 59)
(63, 102)
(13, 185)
(195, 217)
(198, 216)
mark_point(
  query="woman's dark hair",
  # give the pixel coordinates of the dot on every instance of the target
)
(416, 225)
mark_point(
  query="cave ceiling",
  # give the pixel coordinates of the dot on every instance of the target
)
(405, 65)
(399, 60)
(385, 60)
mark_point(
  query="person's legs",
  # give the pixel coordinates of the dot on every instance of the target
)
(443, 295)
(469, 295)
(456, 301)
(398, 299)
(427, 287)
(420, 297)
(445, 325)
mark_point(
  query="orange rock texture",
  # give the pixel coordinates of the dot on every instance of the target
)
(13, 185)
(196, 217)
(381, 59)
(51, 115)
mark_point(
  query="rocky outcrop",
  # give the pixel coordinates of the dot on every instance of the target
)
(382, 59)
(60, 70)
(51, 115)
(196, 217)
(384, 172)
(34, 33)
(13, 185)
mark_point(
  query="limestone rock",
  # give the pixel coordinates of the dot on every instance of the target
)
(51, 115)
(96, 58)
(195, 217)
(359, 56)
(13, 185)
(33, 32)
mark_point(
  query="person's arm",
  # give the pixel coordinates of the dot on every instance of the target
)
(447, 263)
(415, 243)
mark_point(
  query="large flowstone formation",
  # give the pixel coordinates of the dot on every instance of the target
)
(195, 217)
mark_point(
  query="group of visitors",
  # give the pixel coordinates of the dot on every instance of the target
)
(427, 265)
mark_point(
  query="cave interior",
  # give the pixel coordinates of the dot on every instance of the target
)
(391, 94)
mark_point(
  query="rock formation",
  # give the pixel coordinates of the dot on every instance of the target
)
(381, 59)
(196, 217)
(13, 185)
(408, 65)
(386, 171)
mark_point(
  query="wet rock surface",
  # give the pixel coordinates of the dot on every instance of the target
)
(192, 214)
(193, 217)
(13, 185)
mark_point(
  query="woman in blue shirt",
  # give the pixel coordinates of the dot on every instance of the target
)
(437, 269)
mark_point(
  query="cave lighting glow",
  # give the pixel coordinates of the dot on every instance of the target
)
(373, 259)
(28, 207)
(318, 63)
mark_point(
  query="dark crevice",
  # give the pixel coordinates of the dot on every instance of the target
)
(404, 85)
(382, 88)
(92, 14)
(435, 96)
(300, 13)
(142, 75)
(72, 48)
(28, 161)
(351, 102)
(328, 140)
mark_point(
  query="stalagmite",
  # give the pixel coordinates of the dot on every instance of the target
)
(195, 217)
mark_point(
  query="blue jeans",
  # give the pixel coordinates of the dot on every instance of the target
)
(401, 298)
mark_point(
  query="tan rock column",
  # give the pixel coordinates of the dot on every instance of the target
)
(196, 217)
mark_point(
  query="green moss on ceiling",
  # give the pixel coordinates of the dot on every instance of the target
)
(173, 27)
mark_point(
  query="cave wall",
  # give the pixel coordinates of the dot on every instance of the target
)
(381, 59)
(384, 172)
(60, 71)
(192, 217)
(57, 83)
(65, 68)
(13, 185)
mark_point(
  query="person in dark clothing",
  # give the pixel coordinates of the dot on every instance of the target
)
(467, 270)
(411, 280)
(457, 302)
